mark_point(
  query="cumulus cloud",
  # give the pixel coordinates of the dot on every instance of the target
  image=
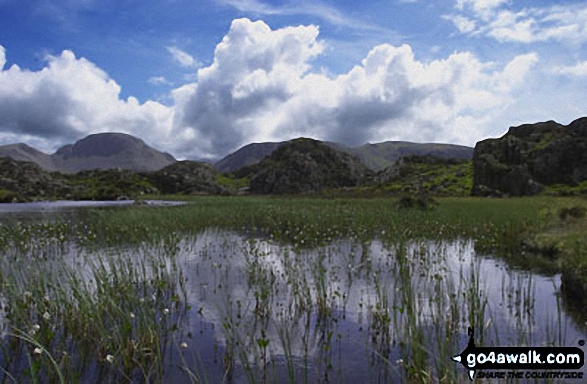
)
(69, 99)
(255, 71)
(262, 86)
(496, 19)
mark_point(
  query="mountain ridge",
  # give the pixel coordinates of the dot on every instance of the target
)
(109, 150)
(375, 156)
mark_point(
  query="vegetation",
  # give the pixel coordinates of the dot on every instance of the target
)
(108, 298)
(427, 175)
(107, 185)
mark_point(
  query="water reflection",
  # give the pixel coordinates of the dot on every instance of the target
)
(344, 309)
(350, 311)
(52, 210)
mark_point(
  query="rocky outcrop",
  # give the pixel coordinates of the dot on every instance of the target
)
(306, 165)
(530, 156)
(26, 180)
(187, 177)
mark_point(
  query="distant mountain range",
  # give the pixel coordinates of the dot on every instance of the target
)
(98, 151)
(529, 159)
(119, 150)
(374, 156)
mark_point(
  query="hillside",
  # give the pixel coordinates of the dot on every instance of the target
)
(186, 177)
(374, 156)
(98, 151)
(247, 155)
(428, 175)
(20, 180)
(26, 181)
(23, 152)
(381, 155)
(530, 157)
(306, 165)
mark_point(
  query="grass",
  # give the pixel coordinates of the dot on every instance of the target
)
(107, 298)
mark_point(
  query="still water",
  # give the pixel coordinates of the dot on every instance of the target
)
(256, 310)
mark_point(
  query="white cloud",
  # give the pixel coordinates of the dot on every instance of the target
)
(255, 70)
(183, 58)
(159, 80)
(579, 69)
(480, 7)
(463, 24)
(495, 18)
(69, 99)
(2, 57)
(261, 86)
(310, 8)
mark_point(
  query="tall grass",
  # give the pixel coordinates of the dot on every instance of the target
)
(112, 297)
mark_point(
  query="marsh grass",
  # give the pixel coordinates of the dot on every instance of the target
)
(109, 299)
(105, 314)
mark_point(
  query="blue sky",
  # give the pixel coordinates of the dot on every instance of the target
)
(202, 78)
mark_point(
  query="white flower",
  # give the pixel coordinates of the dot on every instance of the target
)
(184, 345)
(38, 351)
(27, 294)
(132, 315)
(110, 359)
(46, 316)
(166, 311)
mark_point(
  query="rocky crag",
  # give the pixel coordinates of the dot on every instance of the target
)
(529, 157)
(187, 177)
(306, 165)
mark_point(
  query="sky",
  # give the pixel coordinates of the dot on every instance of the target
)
(200, 79)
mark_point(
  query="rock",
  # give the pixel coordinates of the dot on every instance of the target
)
(187, 177)
(529, 157)
(306, 165)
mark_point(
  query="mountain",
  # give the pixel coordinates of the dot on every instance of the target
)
(99, 151)
(247, 155)
(382, 155)
(23, 152)
(531, 156)
(305, 165)
(375, 156)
